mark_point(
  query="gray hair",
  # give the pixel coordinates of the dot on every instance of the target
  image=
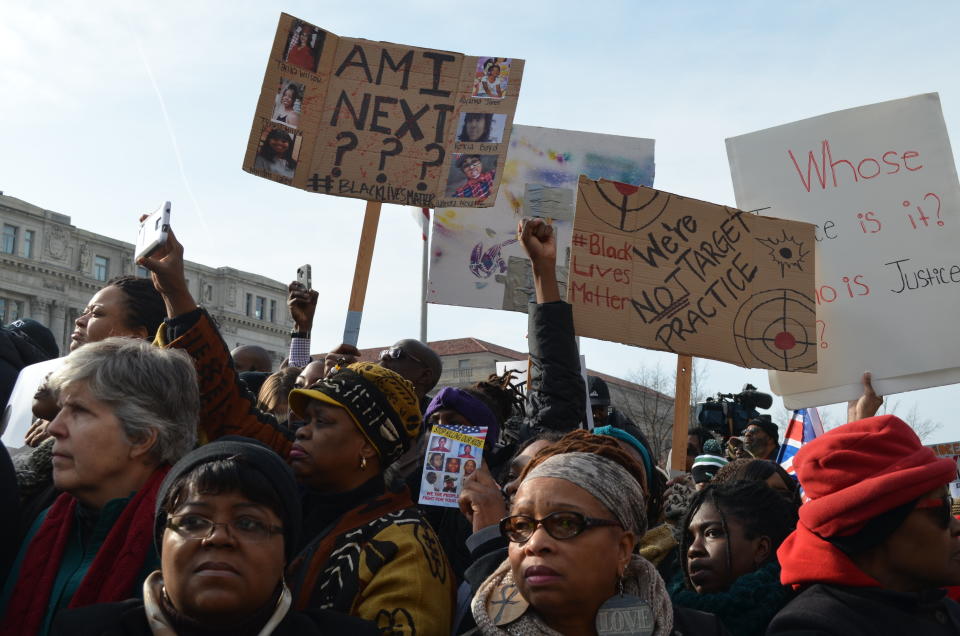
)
(148, 387)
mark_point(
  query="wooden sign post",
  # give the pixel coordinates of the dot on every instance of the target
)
(368, 238)
(681, 413)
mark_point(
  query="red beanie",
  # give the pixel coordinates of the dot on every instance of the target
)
(862, 469)
(852, 474)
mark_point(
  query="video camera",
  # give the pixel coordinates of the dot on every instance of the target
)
(729, 413)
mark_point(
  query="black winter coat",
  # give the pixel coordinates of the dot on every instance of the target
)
(851, 611)
(128, 618)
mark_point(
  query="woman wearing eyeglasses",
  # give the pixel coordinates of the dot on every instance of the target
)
(227, 519)
(571, 568)
(365, 551)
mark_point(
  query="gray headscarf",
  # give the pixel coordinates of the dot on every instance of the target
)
(618, 490)
(603, 478)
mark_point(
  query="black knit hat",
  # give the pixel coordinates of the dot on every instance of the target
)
(275, 472)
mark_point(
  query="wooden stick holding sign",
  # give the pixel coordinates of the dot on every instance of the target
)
(361, 274)
(681, 413)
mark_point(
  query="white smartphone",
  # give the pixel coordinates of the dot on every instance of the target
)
(153, 231)
(304, 276)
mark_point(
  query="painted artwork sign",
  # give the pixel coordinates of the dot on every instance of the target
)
(880, 184)
(950, 450)
(452, 456)
(476, 260)
(381, 121)
(662, 271)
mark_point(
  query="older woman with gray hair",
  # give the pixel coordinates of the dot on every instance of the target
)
(128, 411)
(572, 566)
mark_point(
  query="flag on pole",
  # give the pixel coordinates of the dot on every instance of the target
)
(805, 425)
(422, 217)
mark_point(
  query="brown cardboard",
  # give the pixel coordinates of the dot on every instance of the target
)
(667, 272)
(378, 121)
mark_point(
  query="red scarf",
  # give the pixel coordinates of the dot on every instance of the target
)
(111, 576)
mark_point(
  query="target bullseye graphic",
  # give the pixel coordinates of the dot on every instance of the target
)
(776, 329)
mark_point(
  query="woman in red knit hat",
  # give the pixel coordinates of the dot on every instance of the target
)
(875, 539)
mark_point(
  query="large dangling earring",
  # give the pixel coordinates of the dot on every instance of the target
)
(363, 463)
(620, 585)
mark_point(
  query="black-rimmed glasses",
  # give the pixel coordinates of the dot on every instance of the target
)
(559, 525)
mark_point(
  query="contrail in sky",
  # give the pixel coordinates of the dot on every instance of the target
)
(173, 138)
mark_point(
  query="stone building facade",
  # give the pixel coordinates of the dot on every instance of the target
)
(49, 269)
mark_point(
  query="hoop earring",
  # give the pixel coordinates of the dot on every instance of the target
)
(363, 463)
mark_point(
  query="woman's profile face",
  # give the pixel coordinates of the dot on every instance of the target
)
(327, 450)
(708, 565)
(220, 579)
(90, 448)
(104, 316)
(474, 128)
(279, 145)
(554, 575)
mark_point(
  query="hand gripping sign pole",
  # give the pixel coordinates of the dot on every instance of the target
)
(361, 274)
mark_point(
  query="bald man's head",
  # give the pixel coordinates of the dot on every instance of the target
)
(416, 362)
(252, 358)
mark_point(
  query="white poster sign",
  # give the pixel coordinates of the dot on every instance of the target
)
(476, 259)
(880, 184)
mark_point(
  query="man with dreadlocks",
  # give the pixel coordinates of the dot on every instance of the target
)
(728, 554)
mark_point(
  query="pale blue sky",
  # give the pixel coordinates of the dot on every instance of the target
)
(110, 107)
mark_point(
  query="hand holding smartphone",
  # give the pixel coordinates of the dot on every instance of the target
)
(153, 232)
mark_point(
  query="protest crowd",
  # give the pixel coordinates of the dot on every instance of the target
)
(168, 486)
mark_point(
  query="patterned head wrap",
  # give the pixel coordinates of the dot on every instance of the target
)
(381, 403)
(603, 478)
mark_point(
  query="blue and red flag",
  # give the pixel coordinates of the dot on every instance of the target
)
(805, 425)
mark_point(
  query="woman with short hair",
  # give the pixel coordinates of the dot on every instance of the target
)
(226, 523)
(128, 411)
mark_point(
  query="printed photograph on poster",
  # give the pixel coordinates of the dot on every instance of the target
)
(435, 461)
(431, 481)
(452, 455)
(481, 128)
(493, 75)
(278, 152)
(440, 445)
(476, 260)
(472, 176)
(289, 99)
(304, 45)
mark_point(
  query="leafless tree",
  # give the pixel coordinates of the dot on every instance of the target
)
(652, 410)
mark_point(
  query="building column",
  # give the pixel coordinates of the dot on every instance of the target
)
(39, 310)
(58, 325)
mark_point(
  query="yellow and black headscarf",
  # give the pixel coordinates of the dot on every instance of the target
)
(382, 404)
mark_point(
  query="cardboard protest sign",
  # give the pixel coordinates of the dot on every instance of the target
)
(879, 183)
(476, 260)
(950, 450)
(380, 121)
(667, 272)
(452, 455)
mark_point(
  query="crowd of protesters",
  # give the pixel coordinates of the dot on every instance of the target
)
(168, 485)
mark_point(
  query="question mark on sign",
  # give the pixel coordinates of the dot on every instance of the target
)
(823, 331)
(342, 150)
(397, 149)
(430, 164)
(931, 194)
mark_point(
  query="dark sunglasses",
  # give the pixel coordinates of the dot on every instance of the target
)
(559, 525)
(396, 353)
(943, 506)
